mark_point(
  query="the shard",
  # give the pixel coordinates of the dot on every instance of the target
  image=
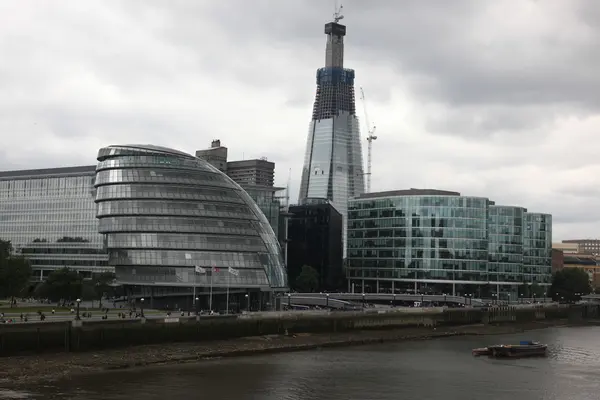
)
(333, 165)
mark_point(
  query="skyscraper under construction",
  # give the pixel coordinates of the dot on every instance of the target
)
(333, 166)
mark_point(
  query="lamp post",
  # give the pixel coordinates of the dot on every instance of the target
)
(142, 307)
(77, 316)
(327, 300)
(197, 306)
(364, 300)
(247, 302)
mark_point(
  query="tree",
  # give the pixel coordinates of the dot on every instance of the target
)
(101, 285)
(308, 280)
(62, 284)
(569, 284)
(15, 272)
(537, 290)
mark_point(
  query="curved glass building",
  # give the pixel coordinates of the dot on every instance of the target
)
(173, 220)
(435, 241)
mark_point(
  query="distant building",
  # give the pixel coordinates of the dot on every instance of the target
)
(252, 172)
(315, 239)
(216, 155)
(589, 246)
(566, 248)
(434, 241)
(49, 216)
(558, 260)
(587, 262)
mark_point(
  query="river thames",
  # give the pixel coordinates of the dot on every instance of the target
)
(428, 370)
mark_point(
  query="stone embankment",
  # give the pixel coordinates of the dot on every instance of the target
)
(32, 369)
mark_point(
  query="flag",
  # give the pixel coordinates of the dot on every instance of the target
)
(233, 271)
(215, 269)
(199, 270)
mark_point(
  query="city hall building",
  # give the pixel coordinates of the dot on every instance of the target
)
(435, 241)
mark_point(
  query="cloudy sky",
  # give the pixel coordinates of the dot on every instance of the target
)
(490, 98)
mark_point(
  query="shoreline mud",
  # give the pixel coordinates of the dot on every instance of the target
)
(45, 368)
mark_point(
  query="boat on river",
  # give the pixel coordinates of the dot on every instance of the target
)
(523, 349)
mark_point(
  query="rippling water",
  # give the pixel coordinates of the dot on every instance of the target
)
(427, 370)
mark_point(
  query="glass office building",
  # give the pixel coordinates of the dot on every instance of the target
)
(49, 216)
(433, 241)
(168, 215)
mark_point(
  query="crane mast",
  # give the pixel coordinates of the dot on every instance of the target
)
(370, 137)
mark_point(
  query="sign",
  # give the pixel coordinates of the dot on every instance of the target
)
(199, 270)
(233, 271)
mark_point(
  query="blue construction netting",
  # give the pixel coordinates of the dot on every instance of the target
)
(335, 75)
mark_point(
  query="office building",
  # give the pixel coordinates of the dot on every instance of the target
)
(49, 216)
(216, 155)
(589, 246)
(315, 239)
(434, 241)
(333, 165)
(168, 215)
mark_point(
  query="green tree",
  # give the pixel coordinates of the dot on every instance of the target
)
(101, 285)
(308, 280)
(569, 284)
(15, 272)
(62, 284)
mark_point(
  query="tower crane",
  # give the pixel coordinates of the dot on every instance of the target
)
(370, 137)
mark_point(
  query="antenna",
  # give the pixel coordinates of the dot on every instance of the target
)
(337, 13)
(370, 137)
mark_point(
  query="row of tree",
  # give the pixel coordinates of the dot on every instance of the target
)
(62, 284)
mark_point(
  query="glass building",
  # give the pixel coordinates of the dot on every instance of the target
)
(333, 165)
(49, 216)
(168, 215)
(433, 241)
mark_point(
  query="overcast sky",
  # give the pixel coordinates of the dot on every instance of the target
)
(490, 98)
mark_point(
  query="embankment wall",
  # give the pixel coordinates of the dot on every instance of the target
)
(93, 335)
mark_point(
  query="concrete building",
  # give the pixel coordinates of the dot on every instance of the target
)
(176, 224)
(333, 164)
(216, 155)
(434, 241)
(49, 216)
(315, 239)
(588, 246)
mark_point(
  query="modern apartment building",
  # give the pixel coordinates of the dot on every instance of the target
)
(333, 164)
(49, 216)
(434, 241)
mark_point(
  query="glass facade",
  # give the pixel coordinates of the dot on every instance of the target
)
(49, 215)
(166, 212)
(537, 247)
(505, 235)
(430, 241)
(333, 164)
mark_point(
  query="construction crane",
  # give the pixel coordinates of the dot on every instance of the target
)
(370, 137)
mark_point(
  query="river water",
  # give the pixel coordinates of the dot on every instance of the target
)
(426, 370)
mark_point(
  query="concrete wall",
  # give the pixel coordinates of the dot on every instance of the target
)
(63, 336)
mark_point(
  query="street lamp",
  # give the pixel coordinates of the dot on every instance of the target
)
(247, 302)
(197, 306)
(142, 307)
(77, 316)
(327, 300)
(289, 300)
(364, 300)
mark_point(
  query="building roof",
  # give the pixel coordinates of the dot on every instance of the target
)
(409, 192)
(47, 172)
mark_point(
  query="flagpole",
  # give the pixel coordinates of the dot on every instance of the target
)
(195, 284)
(227, 310)
(212, 271)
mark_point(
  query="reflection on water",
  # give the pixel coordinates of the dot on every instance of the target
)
(429, 370)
